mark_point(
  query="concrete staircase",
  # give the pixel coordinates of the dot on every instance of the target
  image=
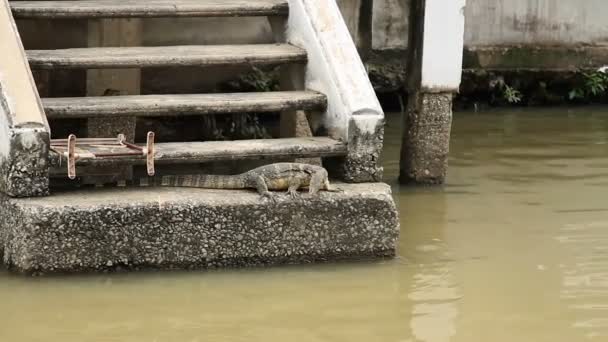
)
(325, 88)
(129, 57)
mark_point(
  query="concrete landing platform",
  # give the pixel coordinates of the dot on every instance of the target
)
(183, 228)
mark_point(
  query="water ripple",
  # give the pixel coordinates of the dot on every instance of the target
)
(585, 284)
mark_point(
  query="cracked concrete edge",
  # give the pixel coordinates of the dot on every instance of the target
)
(65, 234)
(365, 144)
(24, 167)
(10, 218)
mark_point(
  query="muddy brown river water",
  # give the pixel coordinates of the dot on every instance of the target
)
(513, 249)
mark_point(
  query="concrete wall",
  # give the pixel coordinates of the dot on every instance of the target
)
(559, 35)
(500, 22)
(390, 24)
(543, 22)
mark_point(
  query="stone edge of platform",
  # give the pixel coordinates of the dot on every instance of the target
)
(40, 236)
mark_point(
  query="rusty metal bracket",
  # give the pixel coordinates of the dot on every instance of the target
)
(150, 152)
(72, 156)
(74, 149)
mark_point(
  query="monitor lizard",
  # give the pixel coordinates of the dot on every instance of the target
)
(273, 177)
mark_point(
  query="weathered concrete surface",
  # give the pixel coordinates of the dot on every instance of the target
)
(175, 56)
(150, 8)
(536, 22)
(387, 70)
(538, 87)
(192, 228)
(426, 142)
(183, 104)
(518, 57)
(428, 119)
(544, 75)
(390, 24)
(365, 142)
(24, 171)
(24, 131)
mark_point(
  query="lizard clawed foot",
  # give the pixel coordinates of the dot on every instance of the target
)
(293, 194)
(269, 196)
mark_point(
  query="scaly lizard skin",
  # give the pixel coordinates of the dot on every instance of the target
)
(274, 177)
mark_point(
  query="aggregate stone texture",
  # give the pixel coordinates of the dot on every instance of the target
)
(180, 228)
(24, 173)
(362, 162)
(426, 142)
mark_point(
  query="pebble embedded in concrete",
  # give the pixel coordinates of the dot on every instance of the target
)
(194, 228)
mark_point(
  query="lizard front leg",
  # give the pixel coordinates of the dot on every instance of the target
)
(294, 184)
(262, 188)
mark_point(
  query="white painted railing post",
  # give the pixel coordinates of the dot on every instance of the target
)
(436, 42)
(24, 131)
(335, 69)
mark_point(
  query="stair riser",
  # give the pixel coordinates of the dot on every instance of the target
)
(129, 63)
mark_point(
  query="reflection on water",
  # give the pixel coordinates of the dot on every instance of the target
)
(513, 248)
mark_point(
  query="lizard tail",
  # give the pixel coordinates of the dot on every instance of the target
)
(196, 181)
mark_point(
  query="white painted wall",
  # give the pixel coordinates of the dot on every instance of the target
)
(443, 45)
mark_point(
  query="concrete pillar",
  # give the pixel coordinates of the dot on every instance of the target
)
(434, 71)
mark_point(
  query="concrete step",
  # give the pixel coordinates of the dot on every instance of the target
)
(211, 151)
(179, 105)
(131, 228)
(166, 56)
(148, 8)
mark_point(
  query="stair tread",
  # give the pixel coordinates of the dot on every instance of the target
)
(208, 151)
(147, 8)
(162, 56)
(183, 104)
